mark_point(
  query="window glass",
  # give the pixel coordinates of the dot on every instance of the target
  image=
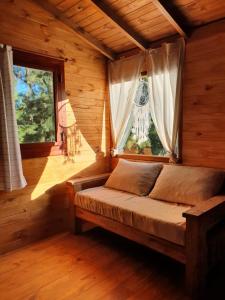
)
(143, 138)
(34, 100)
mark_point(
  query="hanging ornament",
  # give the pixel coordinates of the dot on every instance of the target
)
(70, 134)
(142, 96)
(142, 119)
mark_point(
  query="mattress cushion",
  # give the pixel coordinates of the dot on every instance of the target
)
(159, 218)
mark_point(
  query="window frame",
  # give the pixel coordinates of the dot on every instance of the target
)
(144, 157)
(41, 62)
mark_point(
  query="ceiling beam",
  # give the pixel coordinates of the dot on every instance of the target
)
(119, 23)
(90, 40)
(171, 15)
(152, 45)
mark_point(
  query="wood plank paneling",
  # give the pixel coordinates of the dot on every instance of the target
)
(123, 26)
(199, 12)
(144, 17)
(89, 39)
(150, 27)
(41, 208)
(203, 98)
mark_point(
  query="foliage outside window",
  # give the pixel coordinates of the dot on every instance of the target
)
(38, 92)
(35, 108)
(143, 138)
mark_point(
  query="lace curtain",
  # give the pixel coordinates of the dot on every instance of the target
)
(124, 77)
(165, 78)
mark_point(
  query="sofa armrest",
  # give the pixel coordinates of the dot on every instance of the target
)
(208, 212)
(199, 221)
(80, 184)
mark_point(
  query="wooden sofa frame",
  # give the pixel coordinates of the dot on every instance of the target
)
(199, 221)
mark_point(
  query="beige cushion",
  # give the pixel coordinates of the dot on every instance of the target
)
(187, 185)
(134, 177)
(155, 217)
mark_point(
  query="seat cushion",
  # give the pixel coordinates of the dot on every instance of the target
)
(134, 177)
(155, 217)
(187, 185)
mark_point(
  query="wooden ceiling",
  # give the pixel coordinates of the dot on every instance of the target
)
(115, 26)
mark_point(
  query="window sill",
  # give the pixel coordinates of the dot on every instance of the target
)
(144, 157)
(36, 150)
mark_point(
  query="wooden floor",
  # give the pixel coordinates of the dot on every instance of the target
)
(94, 265)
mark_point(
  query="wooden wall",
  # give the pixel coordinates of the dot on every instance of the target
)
(41, 208)
(204, 97)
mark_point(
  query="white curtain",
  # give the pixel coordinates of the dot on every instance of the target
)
(124, 77)
(165, 77)
(11, 173)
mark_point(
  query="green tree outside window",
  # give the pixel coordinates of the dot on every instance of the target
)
(34, 100)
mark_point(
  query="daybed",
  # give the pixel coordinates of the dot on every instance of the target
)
(176, 210)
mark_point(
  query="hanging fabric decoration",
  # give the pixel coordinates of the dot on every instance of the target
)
(142, 96)
(141, 112)
(70, 133)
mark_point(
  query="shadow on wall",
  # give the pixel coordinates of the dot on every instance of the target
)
(91, 117)
(41, 209)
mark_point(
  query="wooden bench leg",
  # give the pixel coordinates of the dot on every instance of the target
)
(195, 280)
(77, 225)
(196, 260)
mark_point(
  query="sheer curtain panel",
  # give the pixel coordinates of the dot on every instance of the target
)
(124, 77)
(164, 66)
(11, 173)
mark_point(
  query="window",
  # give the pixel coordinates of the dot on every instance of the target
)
(143, 138)
(38, 88)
